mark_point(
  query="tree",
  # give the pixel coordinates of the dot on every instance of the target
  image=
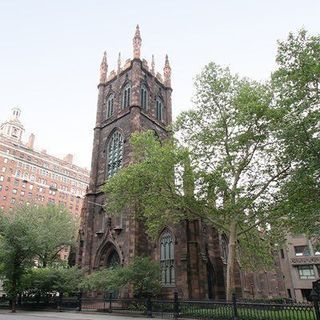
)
(44, 281)
(296, 83)
(54, 228)
(236, 156)
(226, 170)
(31, 235)
(17, 250)
(142, 274)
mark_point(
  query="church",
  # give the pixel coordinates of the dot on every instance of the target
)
(193, 255)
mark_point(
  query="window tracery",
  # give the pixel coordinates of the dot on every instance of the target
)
(115, 153)
(167, 258)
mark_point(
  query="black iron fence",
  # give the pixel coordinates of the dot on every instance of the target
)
(175, 308)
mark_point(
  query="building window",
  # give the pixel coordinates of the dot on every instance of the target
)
(1, 178)
(167, 258)
(306, 272)
(301, 251)
(144, 97)
(125, 98)
(282, 253)
(115, 153)
(14, 191)
(5, 160)
(110, 102)
(3, 169)
(159, 110)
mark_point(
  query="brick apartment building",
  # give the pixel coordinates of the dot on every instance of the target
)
(300, 264)
(29, 176)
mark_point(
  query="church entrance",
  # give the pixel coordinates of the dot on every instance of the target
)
(112, 259)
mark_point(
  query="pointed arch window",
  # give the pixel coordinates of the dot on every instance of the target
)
(159, 110)
(167, 258)
(144, 97)
(126, 96)
(110, 103)
(115, 153)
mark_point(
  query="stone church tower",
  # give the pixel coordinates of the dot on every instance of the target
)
(134, 98)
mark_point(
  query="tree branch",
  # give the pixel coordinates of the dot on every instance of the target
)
(268, 183)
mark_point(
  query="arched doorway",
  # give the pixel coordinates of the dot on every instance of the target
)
(108, 256)
(112, 259)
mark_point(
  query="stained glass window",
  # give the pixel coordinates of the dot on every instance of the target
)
(115, 153)
(167, 258)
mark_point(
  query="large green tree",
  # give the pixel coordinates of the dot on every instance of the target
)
(236, 156)
(296, 86)
(32, 236)
(54, 228)
(226, 170)
(17, 250)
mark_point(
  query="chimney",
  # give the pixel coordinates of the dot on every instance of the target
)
(68, 158)
(30, 143)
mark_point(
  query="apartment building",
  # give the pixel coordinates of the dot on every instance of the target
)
(29, 176)
(300, 265)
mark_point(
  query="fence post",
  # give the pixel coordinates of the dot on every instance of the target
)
(79, 300)
(176, 305)
(234, 307)
(59, 306)
(104, 301)
(149, 307)
(110, 302)
(315, 298)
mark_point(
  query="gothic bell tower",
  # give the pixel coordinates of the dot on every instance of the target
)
(131, 98)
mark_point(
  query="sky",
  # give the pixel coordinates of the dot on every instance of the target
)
(50, 53)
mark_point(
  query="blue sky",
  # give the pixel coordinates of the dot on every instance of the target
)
(50, 53)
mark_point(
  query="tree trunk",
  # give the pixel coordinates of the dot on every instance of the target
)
(231, 259)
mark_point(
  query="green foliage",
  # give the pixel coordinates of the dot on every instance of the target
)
(142, 274)
(54, 228)
(148, 187)
(43, 281)
(296, 84)
(17, 249)
(30, 235)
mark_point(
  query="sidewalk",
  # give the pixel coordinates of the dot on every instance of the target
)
(37, 315)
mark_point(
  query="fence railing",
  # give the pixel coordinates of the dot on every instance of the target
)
(175, 308)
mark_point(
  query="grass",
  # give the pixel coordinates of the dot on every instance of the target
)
(225, 313)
